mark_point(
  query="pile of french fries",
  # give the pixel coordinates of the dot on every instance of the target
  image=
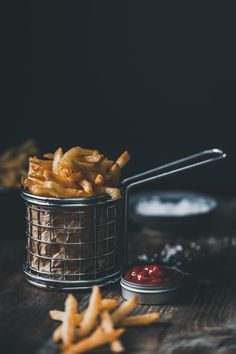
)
(77, 173)
(14, 164)
(96, 325)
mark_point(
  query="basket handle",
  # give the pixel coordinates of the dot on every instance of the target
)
(185, 163)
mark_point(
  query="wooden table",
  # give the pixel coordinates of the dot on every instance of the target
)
(202, 320)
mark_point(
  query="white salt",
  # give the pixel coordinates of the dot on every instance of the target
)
(143, 257)
(158, 207)
(170, 251)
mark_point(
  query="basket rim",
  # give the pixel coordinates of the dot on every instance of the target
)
(63, 202)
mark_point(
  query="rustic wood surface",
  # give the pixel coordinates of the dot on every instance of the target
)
(202, 320)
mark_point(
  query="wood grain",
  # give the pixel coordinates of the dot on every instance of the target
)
(202, 320)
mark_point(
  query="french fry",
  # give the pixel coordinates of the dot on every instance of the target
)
(92, 333)
(66, 182)
(113, 177)
(97, 339)
(115, 170)
(62, 192)
(30, 182)
(56, 160)
(52, 189)
(75, 177)
(105, 304)
(90, 316)
(108, 304)
(7, 155)
(14, 163)
(107, 326)
(91, 176)
(106, 164)
(72, 155)
(123, 159)
(37, 189)
(77, 165)
(39, 168)
(99, 180)
(68, 325)
(140, 320)
(87, 186)
(49, 156)
(79, 151)
(77, 173)
(91, 158)
(24, 181)
(37, 174)
(65, 176)
(35, 179)
(57, 334)
(46, 164)
(59, 316)
(112, 192)
(28, 147)
(126, 308)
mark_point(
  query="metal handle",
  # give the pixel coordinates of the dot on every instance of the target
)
(198, 159)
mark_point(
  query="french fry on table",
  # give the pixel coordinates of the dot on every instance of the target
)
(97, 339)
(90, 317)
(108, 326)
(95, 326)
(106, 304)
(68, 324)
(126, 308)
(140, 320)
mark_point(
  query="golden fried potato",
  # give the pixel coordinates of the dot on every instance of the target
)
(76, 173)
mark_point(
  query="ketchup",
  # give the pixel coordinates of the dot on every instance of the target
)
(152, 275)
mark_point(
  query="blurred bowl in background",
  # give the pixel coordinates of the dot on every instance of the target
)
(170, 209)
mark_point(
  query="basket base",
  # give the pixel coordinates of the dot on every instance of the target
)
(67, 285)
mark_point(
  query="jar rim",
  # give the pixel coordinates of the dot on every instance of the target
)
(154, 288)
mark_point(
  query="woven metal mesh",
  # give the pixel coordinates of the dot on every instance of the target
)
(75, 243)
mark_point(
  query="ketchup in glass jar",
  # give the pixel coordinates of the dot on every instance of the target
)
(152, 275)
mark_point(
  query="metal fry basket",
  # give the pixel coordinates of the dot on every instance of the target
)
(76, 243)
(73, 242)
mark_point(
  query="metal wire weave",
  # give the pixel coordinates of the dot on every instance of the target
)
(74, 244)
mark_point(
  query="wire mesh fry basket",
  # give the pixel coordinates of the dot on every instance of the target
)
(76, 243)
(73, 241)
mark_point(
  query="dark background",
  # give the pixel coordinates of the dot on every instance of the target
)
(156, 78)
